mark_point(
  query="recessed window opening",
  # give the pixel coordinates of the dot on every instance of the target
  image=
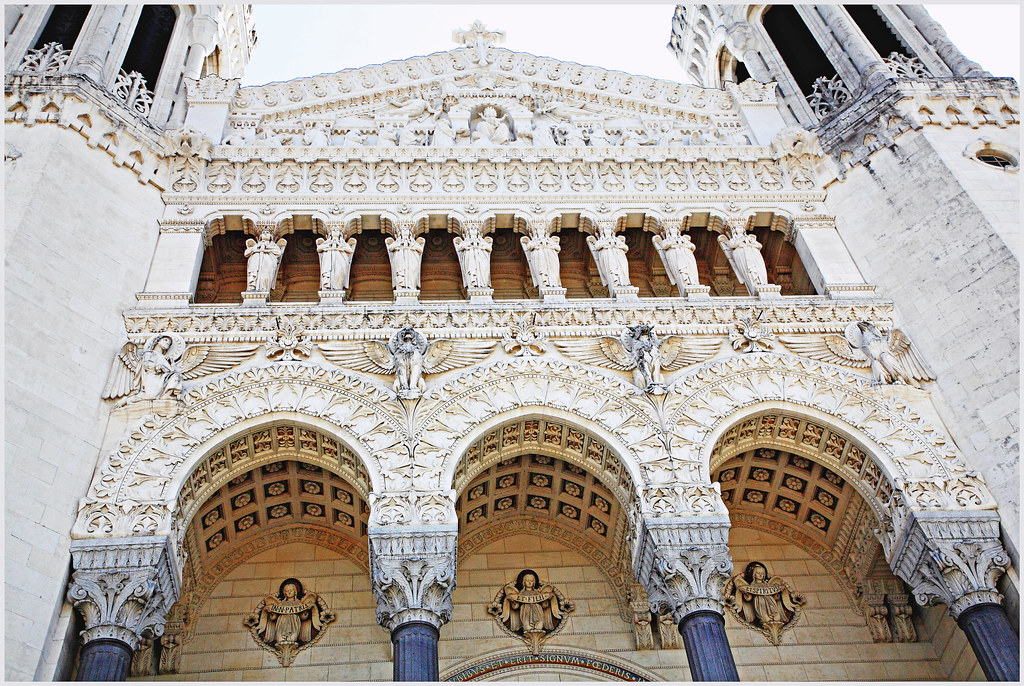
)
(877, 31)
(63, 26)
(996, 159)
(149, 42)
(797, 46)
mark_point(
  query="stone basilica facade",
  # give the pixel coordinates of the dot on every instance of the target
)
(481, 365)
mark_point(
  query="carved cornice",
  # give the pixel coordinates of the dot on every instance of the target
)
(73, 102)
(954, 558)
(683, 563)
(123, 587)
(412, 574)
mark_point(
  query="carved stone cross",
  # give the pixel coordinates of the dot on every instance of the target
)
(477, 36)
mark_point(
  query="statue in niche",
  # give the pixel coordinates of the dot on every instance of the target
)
(408, 356)
(677, 252)
(530, 609)
(744, 255)
(405, 250)
(290, 621)
(474, 251)
(335, 259)
(490, 129)
(542, 255)
(609, 251)
(157, 372)
(264, 257)
(765, 604)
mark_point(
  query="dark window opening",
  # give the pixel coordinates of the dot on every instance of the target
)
(510, 272)
(370, 278)
(876, 30)
(797, 46)
(298, 277)
(741, 72)
(149, 43)
(63, 26)
(995, 159)
(440, 274)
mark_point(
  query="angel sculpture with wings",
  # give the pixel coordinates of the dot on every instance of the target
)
(264, 257)
(409, 356)
(892, 359)
(157, 372)
(639, 349)
(290, 621)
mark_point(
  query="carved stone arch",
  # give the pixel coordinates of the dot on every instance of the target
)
(599, 451)
(237, 451)
(132, 491)
(919, 460)
(579, 663)
(450, 415)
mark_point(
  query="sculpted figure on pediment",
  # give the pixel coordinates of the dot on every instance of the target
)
(413, 107)
(267, 138)
(335, 260)
(634, 137)
(387, 134)
(444, 132)
(490, 129)
(315, 137)
(563, 109)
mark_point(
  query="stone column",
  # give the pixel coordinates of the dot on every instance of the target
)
(203, 40)
(412, 573)
(869, 65)
(123, 588)
(936, 36)
(174, 271)
(826, 258)
(683, 563)
(98, 43)
(956, 558)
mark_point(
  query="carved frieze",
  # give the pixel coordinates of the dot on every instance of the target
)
(530, 609)
(289, 622)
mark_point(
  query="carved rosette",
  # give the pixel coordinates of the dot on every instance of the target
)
(953, 558)
(412, 574)
(683, 563)
(123, 587)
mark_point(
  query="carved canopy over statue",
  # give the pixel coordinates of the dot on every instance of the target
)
(290, 621)
(530, 609)
(766, 605)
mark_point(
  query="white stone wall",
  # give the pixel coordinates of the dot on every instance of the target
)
(79, 235)
(918, 231)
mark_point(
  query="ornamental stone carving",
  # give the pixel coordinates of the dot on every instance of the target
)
(954, 558)
(744, 254)
(683, 563)
(263, 259)
(768, 605)
(288, 344)
(405, 250)
(677, 252)
(157, 372)
(123, 587)
(530, 609)
(412, 574)
(335, 259)
(289, 622)
(751, 336)
(474, 253)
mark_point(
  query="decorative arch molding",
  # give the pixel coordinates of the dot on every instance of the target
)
(616, 573)
(592, 665)
(926, 470)
(455, 414)
(576, 443)
(199, 584)
(135, 489)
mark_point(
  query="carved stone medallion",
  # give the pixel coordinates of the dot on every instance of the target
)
(768, 605)
(289, 622)
(530, 609)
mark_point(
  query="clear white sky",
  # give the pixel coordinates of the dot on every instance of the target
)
(302, 40)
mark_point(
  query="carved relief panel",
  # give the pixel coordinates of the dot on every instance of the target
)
(289, 622)
(764, 603)
(530, 609)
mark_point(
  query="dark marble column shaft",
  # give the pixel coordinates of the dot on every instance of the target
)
(707, 647)
(415, 652)
(994, 642)
(105, 659)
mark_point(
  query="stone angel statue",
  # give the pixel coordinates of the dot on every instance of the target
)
(639, 349)
(335, 260)
(892, 359)
(264, 257)
(157, 370)
(765, 604)
(287, 622)
(530, 609)
(408, 356)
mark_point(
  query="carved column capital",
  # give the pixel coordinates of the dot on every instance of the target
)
(123, 587)
(953, 558)
(412, 574)
(683, 563)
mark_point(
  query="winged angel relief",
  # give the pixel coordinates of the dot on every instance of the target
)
(892, 358)
(639, 349)
(157, 371)
(408, 356)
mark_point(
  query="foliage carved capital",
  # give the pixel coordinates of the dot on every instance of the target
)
(412, 574)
